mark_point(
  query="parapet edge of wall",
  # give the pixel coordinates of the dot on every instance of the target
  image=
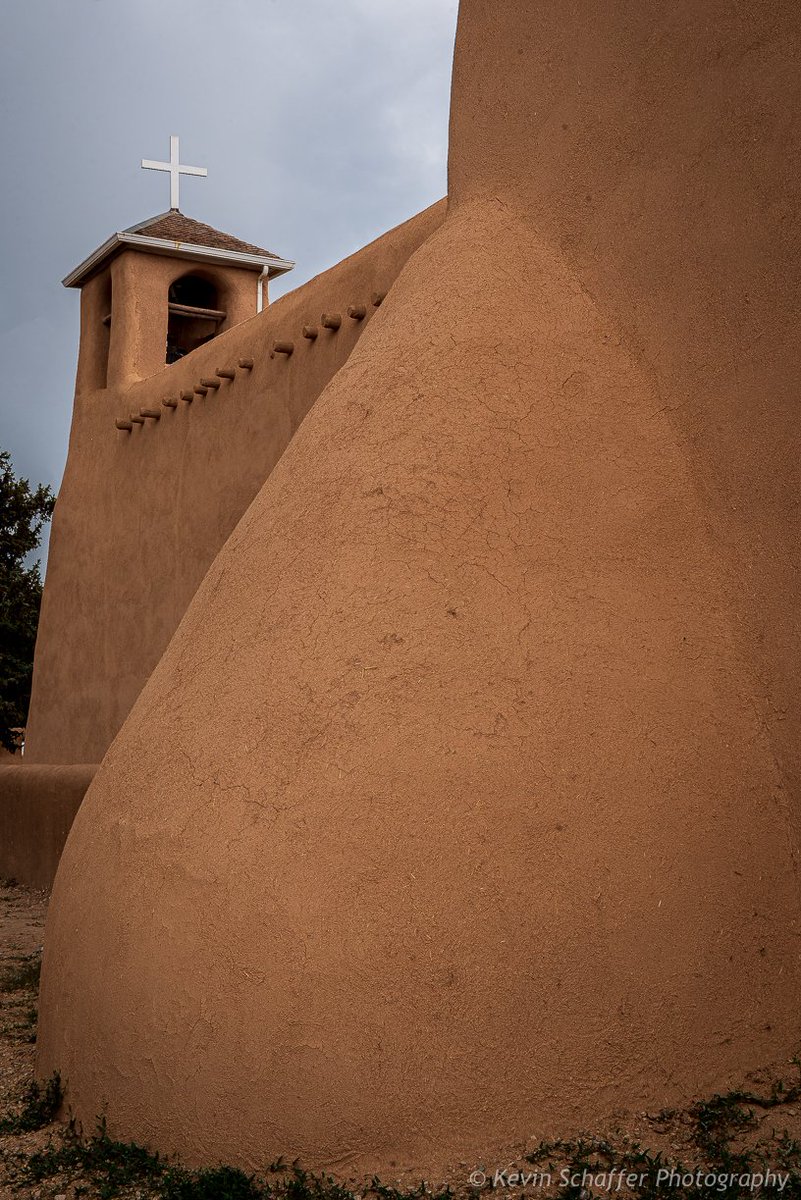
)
(37, 807)
(374, 267)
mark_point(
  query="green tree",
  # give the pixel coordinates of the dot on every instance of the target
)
(22, 514)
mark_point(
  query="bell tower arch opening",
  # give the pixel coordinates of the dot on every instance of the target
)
(195, 314)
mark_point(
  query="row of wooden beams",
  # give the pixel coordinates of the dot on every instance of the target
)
(332, 321)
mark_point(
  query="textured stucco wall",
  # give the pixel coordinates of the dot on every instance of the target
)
(37, 808)
(658, 158)
(141, 515)
(460, 809)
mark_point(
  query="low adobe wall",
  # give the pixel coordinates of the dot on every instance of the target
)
(37, 808)
(142, 512)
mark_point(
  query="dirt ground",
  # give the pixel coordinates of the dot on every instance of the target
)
(22, 917)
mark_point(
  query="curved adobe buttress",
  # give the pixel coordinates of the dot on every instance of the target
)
(463, 805)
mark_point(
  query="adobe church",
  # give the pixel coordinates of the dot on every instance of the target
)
(435, 630)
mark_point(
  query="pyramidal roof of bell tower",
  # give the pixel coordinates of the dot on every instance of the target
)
(172, 233)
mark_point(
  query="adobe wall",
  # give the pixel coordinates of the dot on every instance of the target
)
(656, 157)
(37, 808)
(141, 515)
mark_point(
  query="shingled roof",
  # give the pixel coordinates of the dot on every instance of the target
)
(172, 233)
(173, 226)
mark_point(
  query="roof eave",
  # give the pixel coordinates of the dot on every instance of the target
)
(84, 269)
(207, 254)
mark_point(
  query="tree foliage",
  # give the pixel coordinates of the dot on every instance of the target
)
(23, 512)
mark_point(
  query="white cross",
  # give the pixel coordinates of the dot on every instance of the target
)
(175, 169)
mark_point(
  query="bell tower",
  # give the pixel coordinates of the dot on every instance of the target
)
(156, 291)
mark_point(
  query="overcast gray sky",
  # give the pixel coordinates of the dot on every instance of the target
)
(322, 123)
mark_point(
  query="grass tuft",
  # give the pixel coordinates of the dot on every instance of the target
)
(221, 1183)
(24, 977)
(114, 1168)
(717, 1129)
(40, 1106)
